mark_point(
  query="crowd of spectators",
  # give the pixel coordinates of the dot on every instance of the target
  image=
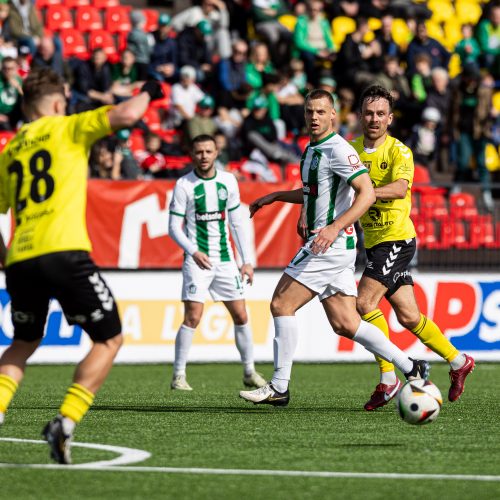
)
(241, 70)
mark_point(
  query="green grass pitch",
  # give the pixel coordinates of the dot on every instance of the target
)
(323, 429)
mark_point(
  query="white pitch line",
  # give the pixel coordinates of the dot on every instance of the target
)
(256, 472)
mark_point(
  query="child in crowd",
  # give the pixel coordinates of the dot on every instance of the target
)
(423, 140)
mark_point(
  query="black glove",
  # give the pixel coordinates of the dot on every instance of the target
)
(153, 88)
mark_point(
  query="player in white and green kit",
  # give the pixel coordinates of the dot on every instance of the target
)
(204, 201)
(331, 173)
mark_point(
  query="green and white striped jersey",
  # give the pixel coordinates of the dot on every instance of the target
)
(327, 168)
(204, 204)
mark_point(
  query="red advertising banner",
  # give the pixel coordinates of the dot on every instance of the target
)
(128, 225)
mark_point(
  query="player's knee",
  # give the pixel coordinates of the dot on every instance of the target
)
(278, 308)
(115, 342)
(346, 326)
(364, 305)
(409, 320)
(192, 320)
(240, 318)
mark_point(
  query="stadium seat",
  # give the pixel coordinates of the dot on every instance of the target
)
(73, 44)
(442, 10)
(341, 27)
(433, 206)
(136, 142)
(288, 21)
(73, 4)
(151, 16)
(463, 206)
(5, 137)
(492, 158)
(426, 233)
(421, 175)
(374, 23)
(452, 234)
(152, 119)
(292, 172)
(117, 19)
(88, 18)
(454, 66)
(177, 162)
(43, 4)
(482, 232)
(401, 33)
(452, 32)
(468, 12)
(58, 17)
(104, 4)
(302, 142)
(101, 39)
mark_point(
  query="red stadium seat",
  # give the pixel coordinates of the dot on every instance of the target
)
(43, 4)
(433, 206)
(73, 44)
(151, 16)
(104, 4)
(136, 142)
(117, 19)
(302, 142)
(292, 172)
(73, 4)
(426, 233)
(453, 234)
(58, 17)
(88, 18)
(177, 162)
(463, 206)
(482, 232)
(421, 175)
(101, 39)
(5, 137)
(152, 119)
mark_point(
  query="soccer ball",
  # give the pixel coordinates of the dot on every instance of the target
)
(419, 402)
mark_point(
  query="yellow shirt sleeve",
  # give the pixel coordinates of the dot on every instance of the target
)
(90, 126)
(403, 163)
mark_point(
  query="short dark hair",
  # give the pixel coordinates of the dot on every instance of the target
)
(320, 94)
(39, 83)
(202, 138)
(376, 92)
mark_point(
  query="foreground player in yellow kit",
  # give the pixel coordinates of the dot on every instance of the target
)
(390, 246)
(43, 179)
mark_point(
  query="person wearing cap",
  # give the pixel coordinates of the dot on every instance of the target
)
(202, 122)
(216, 13)
(423, 140)
(193, 49)
(138, 43)
(164, 58)
(185, 96)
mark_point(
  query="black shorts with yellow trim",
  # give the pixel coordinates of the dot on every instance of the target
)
(389, 264)
(74, 280)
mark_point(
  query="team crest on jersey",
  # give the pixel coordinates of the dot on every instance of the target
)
(314, 162)
(368, 165)
(222, 194)
(383, 165)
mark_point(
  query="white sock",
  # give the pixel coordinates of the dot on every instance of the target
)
(244, 344)
(457, 362)
(183, 342)
(285, 341)
(68, 425)
(388, 378)
(2, 417)
(373, 340)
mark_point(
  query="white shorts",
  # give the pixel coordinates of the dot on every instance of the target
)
(223, 282)
(325, 274)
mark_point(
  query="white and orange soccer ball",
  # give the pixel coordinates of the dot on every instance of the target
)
(419, 402)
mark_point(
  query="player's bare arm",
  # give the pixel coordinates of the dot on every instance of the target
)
(202, 260)
(365, 197)
(394, 191)
(247, 270)
(294, 196)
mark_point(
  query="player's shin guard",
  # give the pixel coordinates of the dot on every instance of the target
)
(377, 319)
(285, 343)
(76, 403)
(431, 336)
(8, 387)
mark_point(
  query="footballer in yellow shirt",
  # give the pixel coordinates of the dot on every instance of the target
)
(43, 180)
(390, 246)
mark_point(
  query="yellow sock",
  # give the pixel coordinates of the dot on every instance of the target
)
(377, 319)
(8, 387)
(431, 336)
(76, 403)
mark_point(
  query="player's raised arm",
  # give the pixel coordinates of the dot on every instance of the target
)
(294, 196)
(127, 113)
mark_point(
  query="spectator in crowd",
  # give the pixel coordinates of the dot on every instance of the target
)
(423, 43)
(330, 85)
(488, 36)
(298, 76)
(92, 85)
(421, 78)
(471, 122)
(216, 13)
(258, 64)
(231, 73)
(193, 49)
(392, 78)
(5, 31)
(313, 39)
(373, 8)
(102, 162)
(226, 152)
(164, 58)
(202, 122)
(125, 75)
(468, 48)
(291, 102)
(151, 160)
(49, 56)
(389, 48)
(138, 41)
(229, 118)
(354, 62)
(129, 169)
(10, 94)
(185, 96)
(259, 132)
(24, 60)
(265, 15)
(423, 140)
(25, 23)
(346, 8)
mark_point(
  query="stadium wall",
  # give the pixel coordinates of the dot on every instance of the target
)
(466, 306)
